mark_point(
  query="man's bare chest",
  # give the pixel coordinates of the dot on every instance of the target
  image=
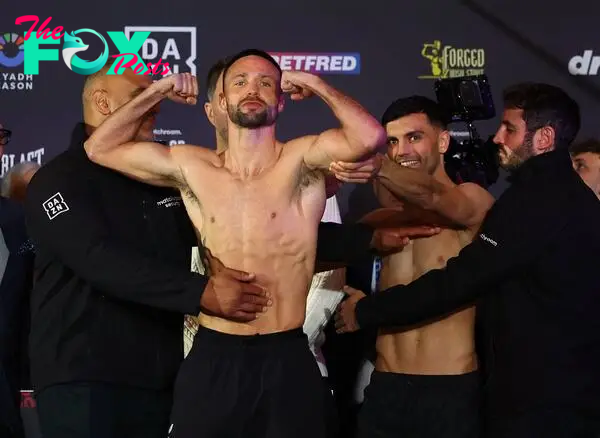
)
(268, 209)
(423, 255)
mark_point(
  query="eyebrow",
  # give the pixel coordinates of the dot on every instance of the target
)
(507, 123)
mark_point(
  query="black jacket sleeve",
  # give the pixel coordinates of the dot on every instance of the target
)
(343, 243)
(79, 238)
(522, 224)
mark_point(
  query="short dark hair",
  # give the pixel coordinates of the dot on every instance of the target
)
(212, 77)
(406, 106)
(545, 105)
(590, 145)
(250, 52)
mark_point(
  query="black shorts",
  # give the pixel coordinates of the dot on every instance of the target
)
(266, 386)
(421, 406)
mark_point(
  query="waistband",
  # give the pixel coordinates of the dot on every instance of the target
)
(424, 380)
(205, 334)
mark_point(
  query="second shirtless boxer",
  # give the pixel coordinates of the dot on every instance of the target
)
(425, 382)
(257, 207)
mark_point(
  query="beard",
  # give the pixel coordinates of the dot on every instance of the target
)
(519, 155)
(253, 119)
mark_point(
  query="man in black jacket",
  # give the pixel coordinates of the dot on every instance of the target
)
(533, 265)
(16, 259)
(113, 282)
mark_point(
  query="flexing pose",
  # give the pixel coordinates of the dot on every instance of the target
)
(257, 207)
(425, 381)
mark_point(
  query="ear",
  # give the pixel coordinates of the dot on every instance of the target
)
(101, 102)
(443, 141)
(210, 115)
(543, 140)
(222, 101)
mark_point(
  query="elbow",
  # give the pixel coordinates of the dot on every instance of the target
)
(372, 137)
(93, 150)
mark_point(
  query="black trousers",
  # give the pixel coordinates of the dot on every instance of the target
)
(421, 406)
(263, 386)
(101, 410)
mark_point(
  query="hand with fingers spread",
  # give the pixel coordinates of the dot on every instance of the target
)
(345, 316)
(232, 294)
(179, 87)
(360, 172)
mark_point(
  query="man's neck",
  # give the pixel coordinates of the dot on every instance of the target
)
(250, 151)
(441, 176)
(221, 144)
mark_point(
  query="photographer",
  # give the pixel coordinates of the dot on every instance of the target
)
(540, 302)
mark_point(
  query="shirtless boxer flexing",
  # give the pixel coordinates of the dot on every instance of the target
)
(257, 207)
(425, 382)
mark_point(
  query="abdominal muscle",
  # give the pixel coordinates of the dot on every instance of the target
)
(443, 347)
(283, 262)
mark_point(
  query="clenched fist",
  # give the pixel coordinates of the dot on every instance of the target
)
(296, 83)
(179, 87)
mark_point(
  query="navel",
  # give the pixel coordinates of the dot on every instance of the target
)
(273, 215)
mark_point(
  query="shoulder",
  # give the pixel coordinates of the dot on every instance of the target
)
(197, 154)
(477, 195)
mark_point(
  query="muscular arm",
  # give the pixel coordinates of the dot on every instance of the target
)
(359, 135)
(111, 145)
(465, 205)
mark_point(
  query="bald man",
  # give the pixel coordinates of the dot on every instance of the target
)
(112, 285)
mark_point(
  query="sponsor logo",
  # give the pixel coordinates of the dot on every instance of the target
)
(55, 205)
(319, 63)
(9, 160)
(487, 239)
(174, 44)
(169, 136)
(12, 55)
(585, 65)
(452, 62)
(171, 201)
(73, 44)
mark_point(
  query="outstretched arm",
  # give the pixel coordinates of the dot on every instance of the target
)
(359, 134)
(464, 205)
(112, 143)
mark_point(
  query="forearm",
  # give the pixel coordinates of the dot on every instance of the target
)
(123, 124)
(410, 185)
(363, 132)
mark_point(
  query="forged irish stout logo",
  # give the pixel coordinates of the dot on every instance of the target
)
(452, 62)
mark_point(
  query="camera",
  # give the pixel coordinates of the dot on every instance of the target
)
(466, 100)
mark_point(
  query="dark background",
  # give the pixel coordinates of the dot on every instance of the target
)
(522, 41)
